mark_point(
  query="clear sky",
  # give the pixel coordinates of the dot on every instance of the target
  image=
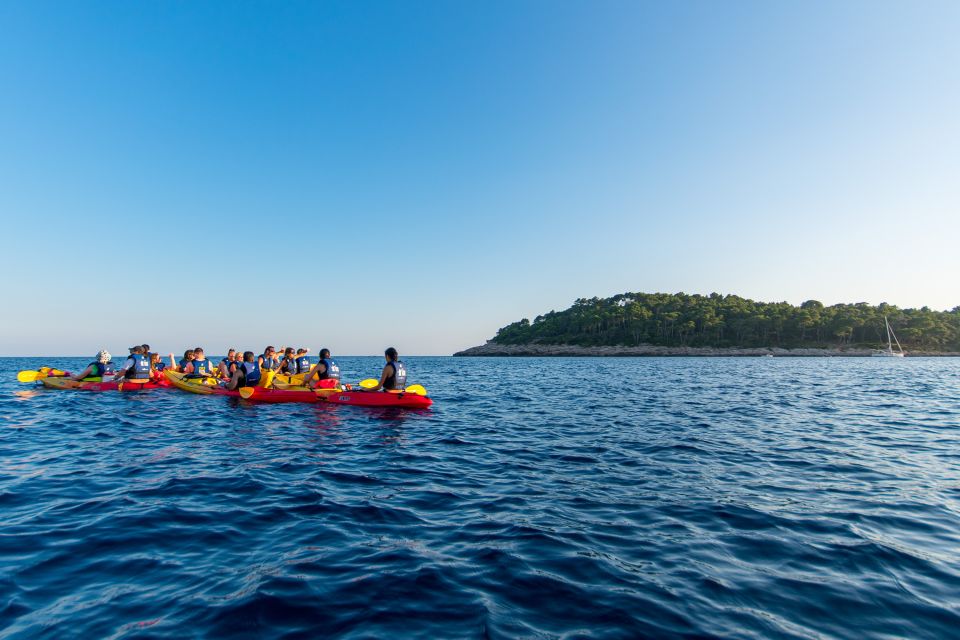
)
(418, 174)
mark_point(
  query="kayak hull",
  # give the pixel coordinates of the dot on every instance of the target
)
(197, 385)
(290, 394)
(113, 385)
(59, 383)
(380, 399)
(62, 383)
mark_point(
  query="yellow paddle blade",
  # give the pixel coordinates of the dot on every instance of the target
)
(28, 376)
(247, 392)
(417, 389)
(369, 383)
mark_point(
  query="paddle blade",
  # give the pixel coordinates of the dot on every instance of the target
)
(28, 376)
(369, 383)
(416, 389)
(247, 392)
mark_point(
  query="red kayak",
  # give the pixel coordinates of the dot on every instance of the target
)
(381, 399)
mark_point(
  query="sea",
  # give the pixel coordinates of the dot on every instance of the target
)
(537, 498)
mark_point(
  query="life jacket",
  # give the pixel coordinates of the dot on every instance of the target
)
(201, 368)
(303, 364)
(160, 366)
(183, 364)
(140, 369)
(332, 372)
(270, 364)
(96, 373)
(399, 378)
(251, 374)
(288, 365)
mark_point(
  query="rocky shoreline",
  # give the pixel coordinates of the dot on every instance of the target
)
(494, 349)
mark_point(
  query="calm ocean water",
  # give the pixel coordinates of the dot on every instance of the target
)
(685, 497)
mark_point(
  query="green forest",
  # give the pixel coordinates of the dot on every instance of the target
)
(678, 319)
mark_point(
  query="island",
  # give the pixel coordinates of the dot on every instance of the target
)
(679, 324)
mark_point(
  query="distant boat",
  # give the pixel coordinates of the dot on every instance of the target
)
(891, 338)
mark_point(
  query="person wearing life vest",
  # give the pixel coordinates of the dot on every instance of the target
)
(288, 365)
(325, 369)
(156, 365)
(247, 374)
(303, 362)
(96, 371)
(228, 365)
(136, 368)
(394, 374)
(199, 367)
(268, 360)
(179, 367)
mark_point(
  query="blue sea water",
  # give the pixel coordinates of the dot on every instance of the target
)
(610, 498)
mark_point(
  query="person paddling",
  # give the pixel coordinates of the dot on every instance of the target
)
(394, 374)
(199, 367)
(325, 369)
(247, 374)
(268, 360)
(136, 368)
(96, 371)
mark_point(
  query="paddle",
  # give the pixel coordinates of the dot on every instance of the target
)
(44, 372)
(246, 392)
(415, 389)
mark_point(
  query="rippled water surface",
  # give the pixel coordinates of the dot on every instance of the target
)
(677, 497)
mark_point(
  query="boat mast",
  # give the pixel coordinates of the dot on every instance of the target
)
(899, 348)
(889, 342)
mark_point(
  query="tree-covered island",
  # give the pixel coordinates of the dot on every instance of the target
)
(678, 324)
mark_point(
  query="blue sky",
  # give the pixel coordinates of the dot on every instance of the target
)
(358, 175)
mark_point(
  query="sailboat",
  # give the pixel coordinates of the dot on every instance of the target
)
(891, 338)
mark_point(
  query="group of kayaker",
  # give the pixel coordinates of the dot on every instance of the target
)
(238, 369)
(140, 366)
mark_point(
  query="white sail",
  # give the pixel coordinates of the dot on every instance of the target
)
(891, 337)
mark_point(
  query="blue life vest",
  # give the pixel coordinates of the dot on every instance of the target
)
(96, 372)
(399, 378)
(183, 363)
(270, 364)
(251, 373)
(226, 362)
(201, 368)
(140, 369)
(160, 366)
(303, 364)
(332, 372)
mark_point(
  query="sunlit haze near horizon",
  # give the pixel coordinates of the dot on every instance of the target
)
(361, 175)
